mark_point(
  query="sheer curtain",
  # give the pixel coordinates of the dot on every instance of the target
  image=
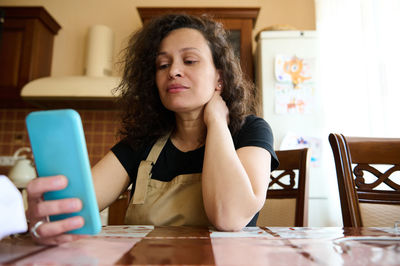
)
(359, 73)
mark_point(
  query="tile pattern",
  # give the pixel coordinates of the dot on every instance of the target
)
(100, 127)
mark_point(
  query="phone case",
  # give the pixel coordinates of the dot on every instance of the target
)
(59, 148)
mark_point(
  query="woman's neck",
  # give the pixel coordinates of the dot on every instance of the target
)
(190, 132)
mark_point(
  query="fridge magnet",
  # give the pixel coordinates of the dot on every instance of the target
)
(293, 69)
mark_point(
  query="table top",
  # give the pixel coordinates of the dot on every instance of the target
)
(196, 245)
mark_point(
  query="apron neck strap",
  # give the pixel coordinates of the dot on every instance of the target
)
(157, 148)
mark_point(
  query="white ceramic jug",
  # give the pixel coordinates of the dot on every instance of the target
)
(23, 170)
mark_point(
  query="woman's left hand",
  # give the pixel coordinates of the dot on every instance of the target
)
(216, 110)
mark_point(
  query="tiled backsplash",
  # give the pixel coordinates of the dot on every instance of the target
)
(100, 127)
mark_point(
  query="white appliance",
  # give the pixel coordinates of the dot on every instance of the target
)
(273, 47)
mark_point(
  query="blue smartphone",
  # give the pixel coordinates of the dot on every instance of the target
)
(59, 148)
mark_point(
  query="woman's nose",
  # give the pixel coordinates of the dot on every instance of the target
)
(175, 71)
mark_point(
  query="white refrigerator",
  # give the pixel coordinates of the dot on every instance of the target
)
(286, 73)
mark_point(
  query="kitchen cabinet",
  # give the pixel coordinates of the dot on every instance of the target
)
(26, 49)
(238, 21)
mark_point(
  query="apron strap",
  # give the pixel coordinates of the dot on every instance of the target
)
(144, 172)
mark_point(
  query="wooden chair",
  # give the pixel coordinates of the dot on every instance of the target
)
(116, 211)
(286, 204)
(363, 200)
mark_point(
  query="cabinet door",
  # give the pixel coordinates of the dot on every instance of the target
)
(14, 50)
(26, 48)
(240, 34)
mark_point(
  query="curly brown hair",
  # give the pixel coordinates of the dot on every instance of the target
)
(144, 118)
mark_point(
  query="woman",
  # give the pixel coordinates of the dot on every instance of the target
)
(191, 151)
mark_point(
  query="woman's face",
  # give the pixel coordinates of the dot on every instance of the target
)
(186, 76)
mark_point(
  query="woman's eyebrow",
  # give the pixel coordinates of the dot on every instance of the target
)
(188, 48)
(181, 50)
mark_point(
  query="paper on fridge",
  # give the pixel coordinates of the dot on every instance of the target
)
(298, 141)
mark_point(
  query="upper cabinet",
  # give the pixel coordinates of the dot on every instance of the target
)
(238, 21)
(26, 50)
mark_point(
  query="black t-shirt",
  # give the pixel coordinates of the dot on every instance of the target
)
(173, 162)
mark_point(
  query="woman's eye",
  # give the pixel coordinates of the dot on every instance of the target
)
(190, 62)
(163, 66)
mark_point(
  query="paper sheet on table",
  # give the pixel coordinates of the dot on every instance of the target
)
(245, 232)
(12, 213)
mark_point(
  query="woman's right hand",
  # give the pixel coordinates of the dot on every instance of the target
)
(52, 233)
(216, 110)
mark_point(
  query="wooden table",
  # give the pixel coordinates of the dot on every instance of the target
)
(190, 245)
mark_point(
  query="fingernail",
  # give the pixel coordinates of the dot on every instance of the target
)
(59, 182)
(75, 205)
(77, 222)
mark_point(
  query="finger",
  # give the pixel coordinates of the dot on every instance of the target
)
(54, 229)
(53, 207)
(38, 186)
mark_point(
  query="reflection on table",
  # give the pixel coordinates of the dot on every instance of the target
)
(195, 245)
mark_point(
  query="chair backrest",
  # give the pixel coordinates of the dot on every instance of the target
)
(286, 203)
(363, 199)
(116, 211)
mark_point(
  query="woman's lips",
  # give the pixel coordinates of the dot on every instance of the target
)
(175, 88)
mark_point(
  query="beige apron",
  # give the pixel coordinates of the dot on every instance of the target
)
(154, 202)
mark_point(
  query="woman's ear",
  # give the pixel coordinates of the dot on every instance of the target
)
(220, 82)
